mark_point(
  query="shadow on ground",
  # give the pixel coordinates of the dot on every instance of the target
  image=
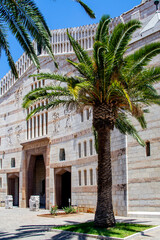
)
(33, 231)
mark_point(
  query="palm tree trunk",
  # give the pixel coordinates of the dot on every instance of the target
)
(104, 216)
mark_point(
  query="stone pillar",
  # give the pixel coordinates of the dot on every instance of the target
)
(47, 162)
(52, 188)
(22, 181)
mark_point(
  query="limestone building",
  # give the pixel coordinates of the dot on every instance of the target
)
(53, 155)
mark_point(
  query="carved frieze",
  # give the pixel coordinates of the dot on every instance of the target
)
(36, 143)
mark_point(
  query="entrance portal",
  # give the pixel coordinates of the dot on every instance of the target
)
(63, 188)
(36, 178)
(13, 188)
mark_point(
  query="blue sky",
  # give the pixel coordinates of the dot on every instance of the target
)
(68, 13)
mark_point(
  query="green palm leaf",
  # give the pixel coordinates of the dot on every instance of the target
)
(86, 8)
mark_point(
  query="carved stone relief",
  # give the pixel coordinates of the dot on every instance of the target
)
(9, 135)
(18, 95)
(18, 132)
(68, 121)
(56, 122)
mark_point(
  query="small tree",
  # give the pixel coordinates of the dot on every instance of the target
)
(116, 86)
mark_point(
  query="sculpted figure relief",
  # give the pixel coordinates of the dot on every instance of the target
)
(56, 122)
(18, 132)
(18, 95)
(9, 135)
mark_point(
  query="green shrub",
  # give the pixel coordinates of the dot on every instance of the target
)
(69, 210)
(53, 210)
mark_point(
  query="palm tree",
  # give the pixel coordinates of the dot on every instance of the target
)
(24, 20)
(116, 85)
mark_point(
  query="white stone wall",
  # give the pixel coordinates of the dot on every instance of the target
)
(135, 176)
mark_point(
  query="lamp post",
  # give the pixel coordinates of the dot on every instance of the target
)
(156, 3)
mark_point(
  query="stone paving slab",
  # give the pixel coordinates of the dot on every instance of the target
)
(18, 223)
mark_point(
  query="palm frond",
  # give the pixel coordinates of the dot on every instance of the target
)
(5, 46)
(102, 29)
(86, 8)
(141, 58)
(124, 125)
(81, 54)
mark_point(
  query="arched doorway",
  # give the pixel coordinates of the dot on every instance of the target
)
(13, 187)
(36, 179)
(63, 187)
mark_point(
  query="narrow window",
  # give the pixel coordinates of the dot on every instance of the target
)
(38, 125)
(148, 149)
(27, 131)
(97, 175)
(39, 84)
(42, 123)
(79, 177)
(39, 49)
(82, 117)
(0, 182)
(87, 114)
(85, 148)
(46, 123)
(0, 163)
(31, 128)
(13, 164)
(35, 127)
(91, 146)
(79, 150)
(27, 125)
(85, 177)
(62, 155)
(0, 141)
(91, 177)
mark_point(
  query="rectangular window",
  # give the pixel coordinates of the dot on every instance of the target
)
(87, 114)
(0, 141)
(62, 156)
(91, 176)
(31, 128)
(91, 146)
(85, 177)
(0, 163)
(79, 150)
(46, 123)
(82, 117)
(148, 149)
(35, 127)
(42, 124)
(38, 125)
(85, 149)
(0, 182)
(97, 175)
(27, 130)
(79, 177)
(13, 162)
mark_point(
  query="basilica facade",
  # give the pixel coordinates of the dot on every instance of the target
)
(52, 154)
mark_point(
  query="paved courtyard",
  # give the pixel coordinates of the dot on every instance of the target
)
(18, 223)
